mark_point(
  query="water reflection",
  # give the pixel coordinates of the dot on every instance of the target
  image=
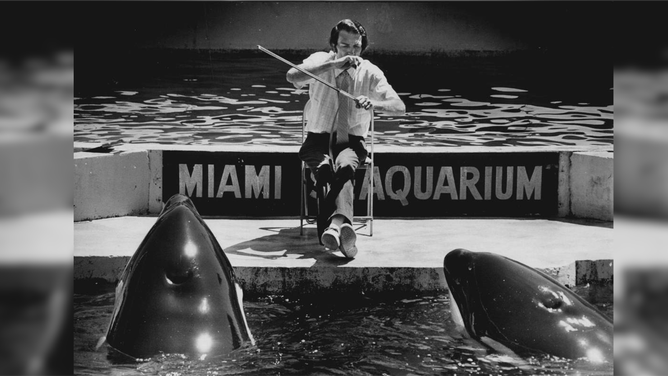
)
(232, 108)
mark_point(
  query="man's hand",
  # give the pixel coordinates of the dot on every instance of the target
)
(347, 62)
(363, 102)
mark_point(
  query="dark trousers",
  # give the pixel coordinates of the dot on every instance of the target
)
(339, 174)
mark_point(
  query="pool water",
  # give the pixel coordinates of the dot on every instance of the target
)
(212, 98)
(328, 334)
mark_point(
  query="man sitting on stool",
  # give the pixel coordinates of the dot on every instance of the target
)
(337, 126)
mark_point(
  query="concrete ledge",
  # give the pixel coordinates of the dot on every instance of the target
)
(289, 280)
(292, 280)
(271, 257)
(268, 280)
(110, 185)
(155, 181)
(304, 280)
(591, 185)
(583, 272)
(129, 180)
(107, 269)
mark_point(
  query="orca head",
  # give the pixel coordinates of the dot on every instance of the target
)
(524, 309)
(178, 293)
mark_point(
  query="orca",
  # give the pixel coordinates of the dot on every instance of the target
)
(507, 305)
(178, 293)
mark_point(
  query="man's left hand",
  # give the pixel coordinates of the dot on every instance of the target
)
(363, 102)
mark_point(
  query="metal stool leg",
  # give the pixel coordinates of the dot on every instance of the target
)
(370, 198)
(302, 201)
(302, 183)
(371, 177)
(323, 215)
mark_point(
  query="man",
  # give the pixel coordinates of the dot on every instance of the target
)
(337, 125)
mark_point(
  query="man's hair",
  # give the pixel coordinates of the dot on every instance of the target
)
(350, 26)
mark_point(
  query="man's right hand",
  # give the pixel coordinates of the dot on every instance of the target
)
(347, 61)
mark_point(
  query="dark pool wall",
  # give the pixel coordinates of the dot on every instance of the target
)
(401, 27)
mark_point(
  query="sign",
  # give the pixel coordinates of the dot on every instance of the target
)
(234, 184)
(405, 185)
(463, 184)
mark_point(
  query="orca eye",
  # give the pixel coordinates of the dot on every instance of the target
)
(178, 277)
(553, 303)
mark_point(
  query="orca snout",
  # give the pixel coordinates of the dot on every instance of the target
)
(178, 200)
(458, 261)
(458, 267)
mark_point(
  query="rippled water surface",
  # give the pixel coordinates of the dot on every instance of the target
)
(331, 335)
(216, 98)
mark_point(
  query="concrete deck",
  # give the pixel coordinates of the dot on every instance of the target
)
(270, 256)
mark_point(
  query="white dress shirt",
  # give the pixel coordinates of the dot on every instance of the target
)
(367, 80)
